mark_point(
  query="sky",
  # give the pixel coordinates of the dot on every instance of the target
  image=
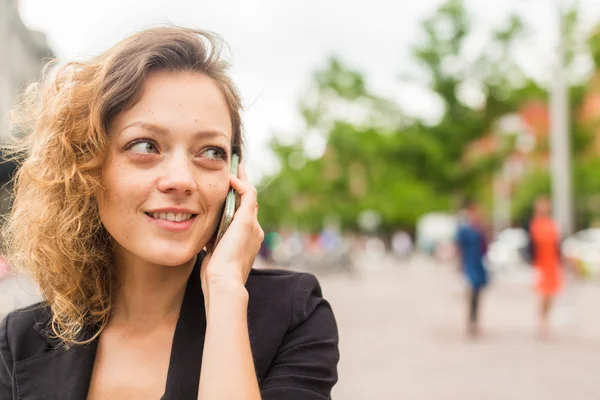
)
(277, 45)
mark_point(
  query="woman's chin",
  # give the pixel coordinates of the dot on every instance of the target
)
(172, 263)
(168, 253)
(171, 257)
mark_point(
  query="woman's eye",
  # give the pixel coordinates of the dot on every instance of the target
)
(144, 147)
(214, 153)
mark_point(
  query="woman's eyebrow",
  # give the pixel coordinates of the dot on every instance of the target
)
(164, 131)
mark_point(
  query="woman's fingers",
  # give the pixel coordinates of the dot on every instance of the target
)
(248, 210)
(244, 177)
(246, 191)
(242, 172)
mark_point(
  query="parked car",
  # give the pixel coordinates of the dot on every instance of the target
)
(506, 251)
(582, 252)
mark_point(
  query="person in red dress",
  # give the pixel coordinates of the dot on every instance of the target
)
(545, 237)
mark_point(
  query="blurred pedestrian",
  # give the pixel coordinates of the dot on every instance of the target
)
(401, 244)
(265, 253)
(471, 246)
(313, 243)
(544, 238)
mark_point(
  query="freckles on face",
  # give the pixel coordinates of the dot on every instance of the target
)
(124, 191)
(214, 192)
(217, 191)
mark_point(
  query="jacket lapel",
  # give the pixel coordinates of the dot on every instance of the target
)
(183, 377)
(58, 374)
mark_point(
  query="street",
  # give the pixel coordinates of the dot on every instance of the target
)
(402, 336)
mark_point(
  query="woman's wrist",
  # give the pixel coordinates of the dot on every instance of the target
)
(219, 289)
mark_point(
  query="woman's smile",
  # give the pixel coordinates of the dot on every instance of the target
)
(172, 219)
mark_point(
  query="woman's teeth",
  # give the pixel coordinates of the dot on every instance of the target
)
(175, 217)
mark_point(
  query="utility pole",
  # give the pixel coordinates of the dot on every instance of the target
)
(560, 143)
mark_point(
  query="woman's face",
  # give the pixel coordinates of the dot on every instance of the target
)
(167, 174)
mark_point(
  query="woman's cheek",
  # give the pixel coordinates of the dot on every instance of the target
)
(217, 190)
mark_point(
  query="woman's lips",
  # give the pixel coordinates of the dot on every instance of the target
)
(172, 225)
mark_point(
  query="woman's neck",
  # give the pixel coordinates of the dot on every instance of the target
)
(147, 294)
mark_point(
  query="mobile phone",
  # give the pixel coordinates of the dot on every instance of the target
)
(231, 201)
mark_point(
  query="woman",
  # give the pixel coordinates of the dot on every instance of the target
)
(116, 203)
(545, 244)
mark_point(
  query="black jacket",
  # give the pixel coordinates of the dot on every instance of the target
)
(293, 335)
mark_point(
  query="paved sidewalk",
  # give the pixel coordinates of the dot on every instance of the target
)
(402, 337)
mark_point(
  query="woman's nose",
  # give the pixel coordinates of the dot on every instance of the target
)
(178, 176)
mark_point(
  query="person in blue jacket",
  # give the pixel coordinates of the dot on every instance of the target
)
(472, 245)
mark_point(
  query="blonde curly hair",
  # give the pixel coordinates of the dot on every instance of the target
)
(54, 233)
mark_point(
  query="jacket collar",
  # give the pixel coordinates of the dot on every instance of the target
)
(57, 374)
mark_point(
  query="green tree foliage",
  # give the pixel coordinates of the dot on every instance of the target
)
(377, 158)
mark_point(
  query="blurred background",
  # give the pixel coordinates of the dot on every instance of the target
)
(368, 125)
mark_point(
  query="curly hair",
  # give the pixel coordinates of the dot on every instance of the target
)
(54, 233)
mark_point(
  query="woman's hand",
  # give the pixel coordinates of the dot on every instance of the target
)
(229, 264)
(227, 354)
